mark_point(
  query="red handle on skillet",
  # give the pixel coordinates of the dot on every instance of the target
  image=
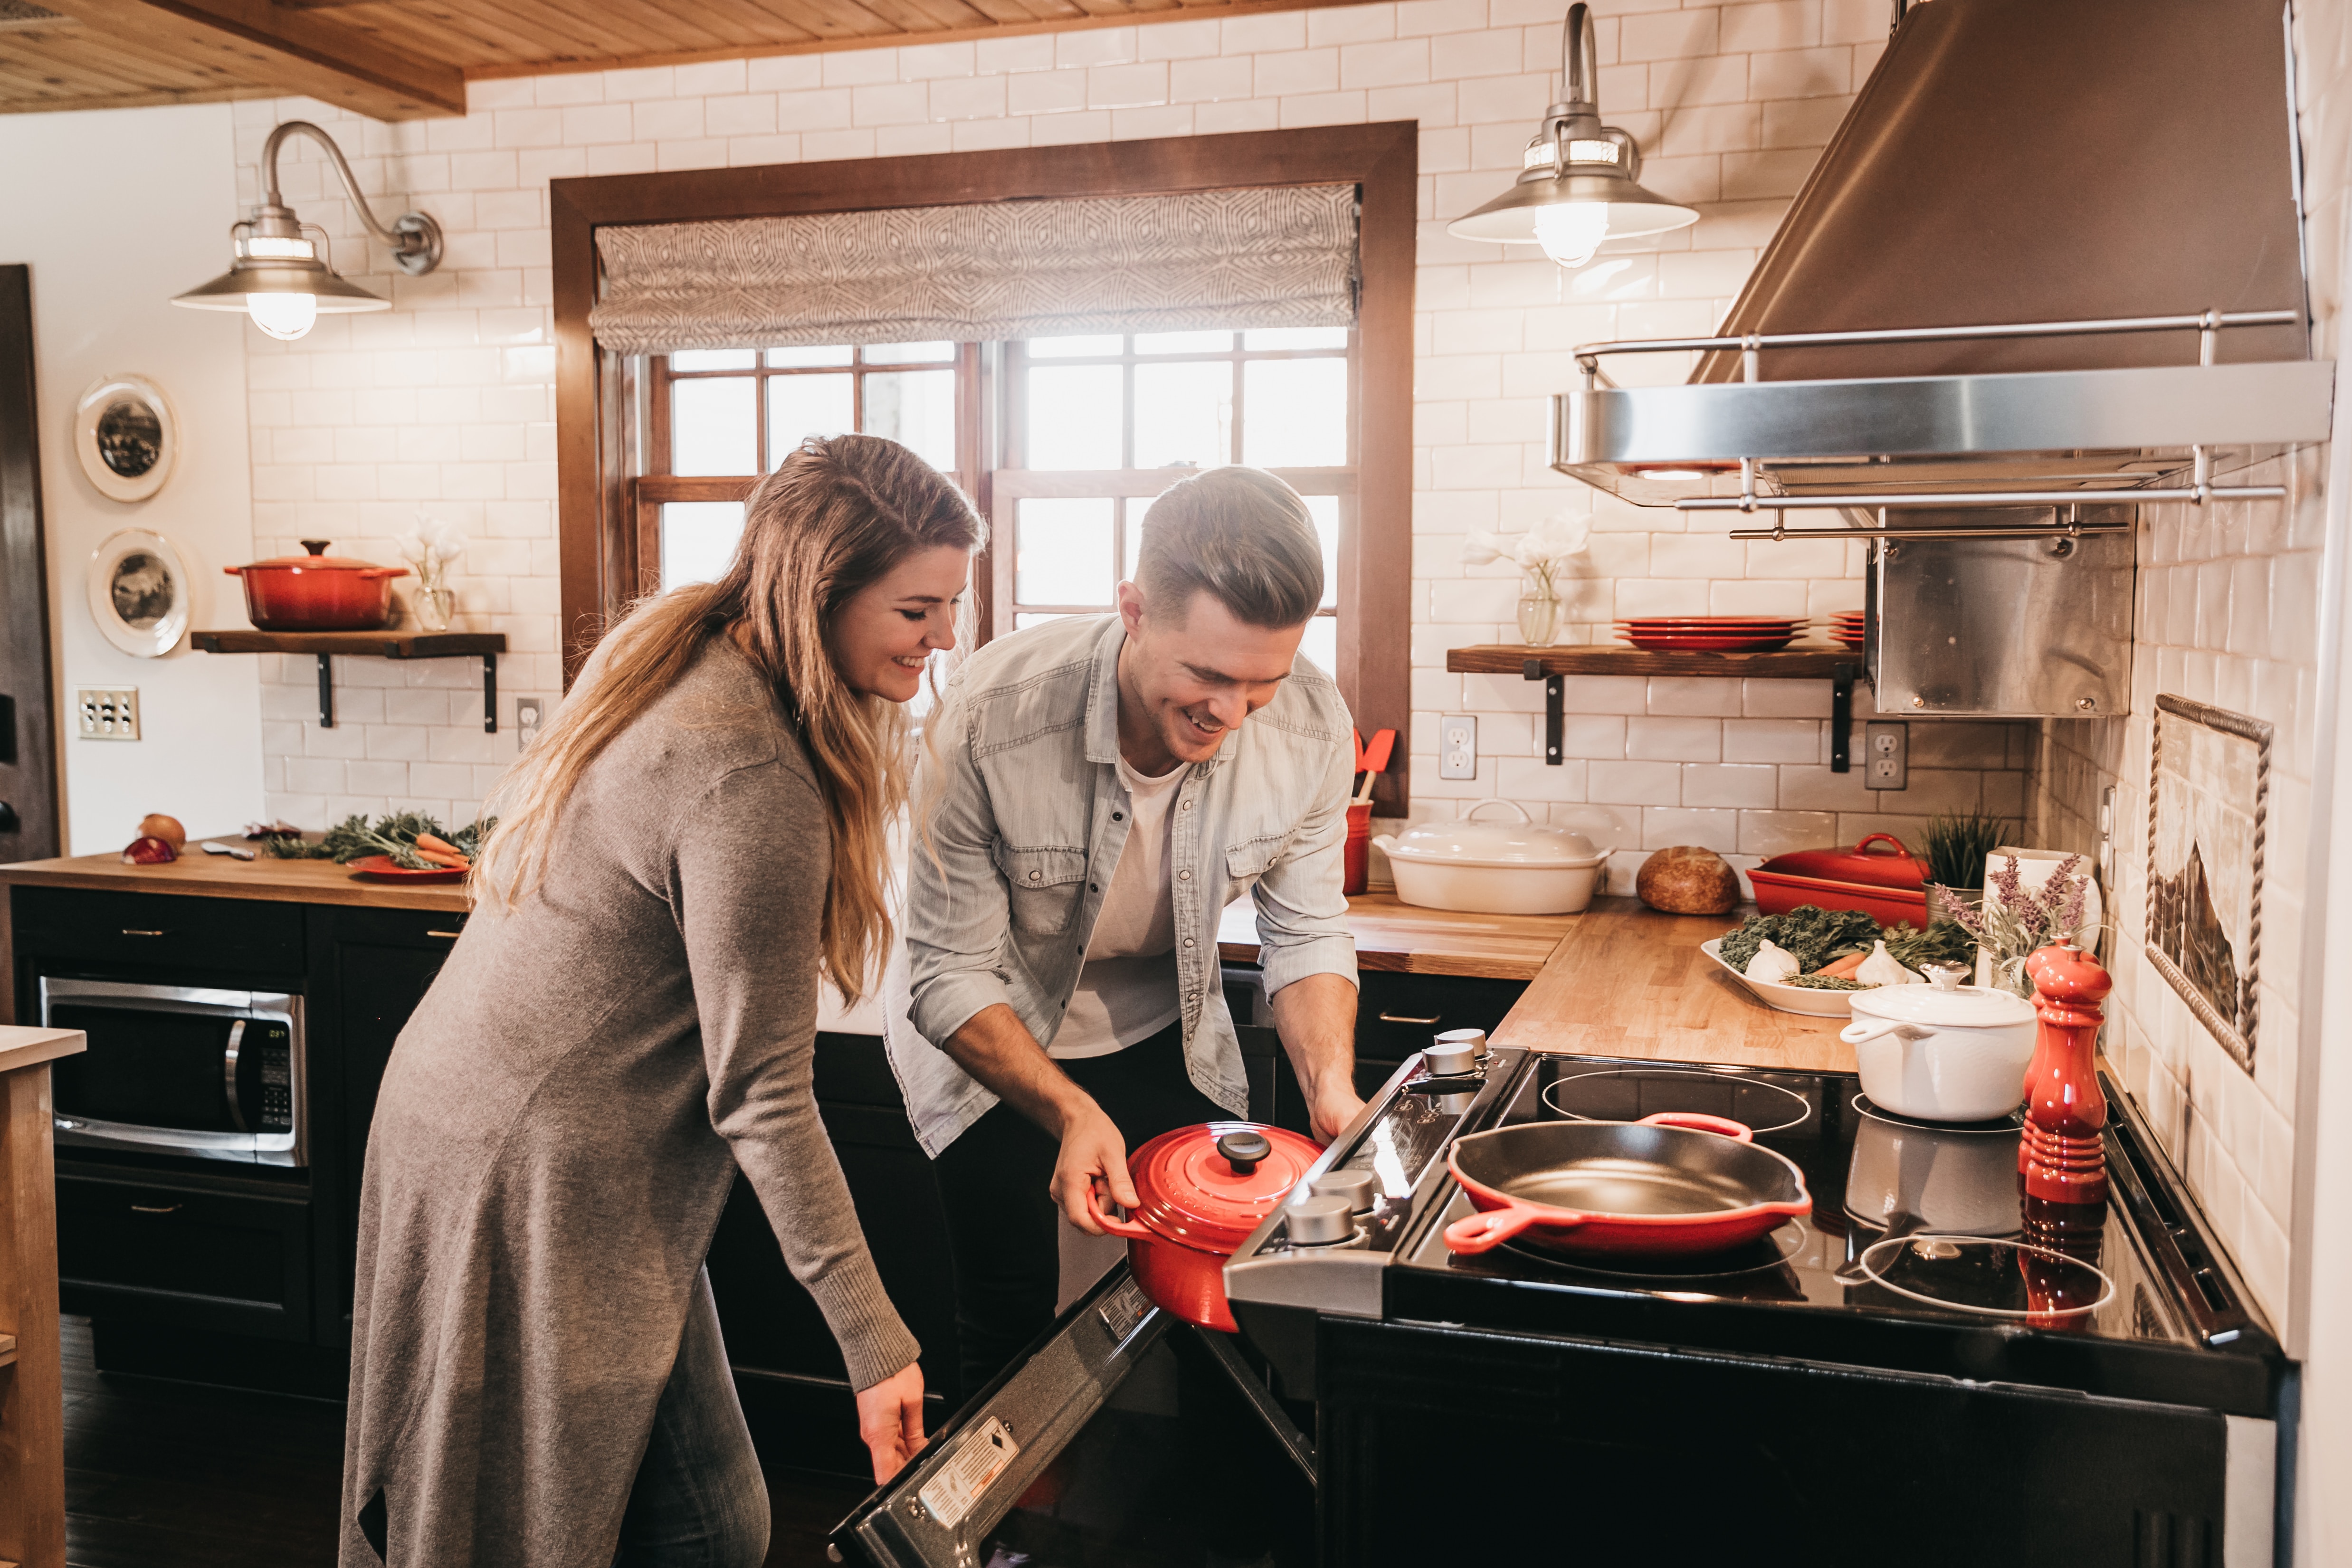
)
(1129, 1228)
(1699, 1121)
(1484, 1233)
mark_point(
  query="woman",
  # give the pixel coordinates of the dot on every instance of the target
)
(537, 1375)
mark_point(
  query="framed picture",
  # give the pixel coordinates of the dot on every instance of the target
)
(139, 593)
(2208, 807)
(126, 437)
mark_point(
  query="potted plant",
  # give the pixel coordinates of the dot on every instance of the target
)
(1959, 846)
(2012, 922)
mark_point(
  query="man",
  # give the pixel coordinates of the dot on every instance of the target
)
(1091, 799)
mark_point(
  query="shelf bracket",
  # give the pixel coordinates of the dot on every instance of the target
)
(1842, 719)
(1533, 670)
(489, 694)
(326, 691)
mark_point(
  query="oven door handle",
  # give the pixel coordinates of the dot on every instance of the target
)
(228, 1071)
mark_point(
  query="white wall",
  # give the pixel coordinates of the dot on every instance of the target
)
(116, 211)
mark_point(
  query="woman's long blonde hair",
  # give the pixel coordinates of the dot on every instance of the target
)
(837, 515)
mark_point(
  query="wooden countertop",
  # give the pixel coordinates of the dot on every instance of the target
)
(1619, 979)
(30, 1047)
(217, 876)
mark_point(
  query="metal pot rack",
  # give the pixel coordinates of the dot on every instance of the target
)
(1946, 415)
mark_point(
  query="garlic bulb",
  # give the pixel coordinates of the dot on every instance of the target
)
(1883, 969)
(1775, 964)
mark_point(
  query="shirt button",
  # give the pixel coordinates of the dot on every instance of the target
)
(1188, 805)
(1117, 817)
(1036, 876)
(1093, 888)
(1188, 941)
(1181, 877)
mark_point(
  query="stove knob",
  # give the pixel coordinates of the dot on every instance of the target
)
(1320, 1220)
(1243, 1151)
(1360, 1189)
(1450, 1060)
(1474, 1037)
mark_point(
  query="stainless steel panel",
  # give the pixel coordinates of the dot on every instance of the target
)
(2004, 628)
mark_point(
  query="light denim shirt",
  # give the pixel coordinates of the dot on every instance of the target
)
(1018, 827)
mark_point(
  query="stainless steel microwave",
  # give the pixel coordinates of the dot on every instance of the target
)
(178, 1070)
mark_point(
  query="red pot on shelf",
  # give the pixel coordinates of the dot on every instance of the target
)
(1204, 1189)
(317, 592)
(1890, 888)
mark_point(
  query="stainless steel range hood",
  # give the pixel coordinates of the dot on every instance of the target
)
(2052, 257)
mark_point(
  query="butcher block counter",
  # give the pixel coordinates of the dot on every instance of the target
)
(1619, 979)
(219, 876)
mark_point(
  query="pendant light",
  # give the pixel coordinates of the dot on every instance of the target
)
(1576, 185)
(278, 278)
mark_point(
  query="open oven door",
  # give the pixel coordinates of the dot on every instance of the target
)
(1123, 1436)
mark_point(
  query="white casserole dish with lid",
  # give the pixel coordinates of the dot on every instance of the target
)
(1942, 1051)
(1493, 868)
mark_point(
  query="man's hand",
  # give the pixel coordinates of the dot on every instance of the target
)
(1317, 1019)
(1331, 1106)
(890, 1420)
(1093, 1159)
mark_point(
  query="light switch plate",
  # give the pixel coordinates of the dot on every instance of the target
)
(107, 713)
(1458, 747)
(1886, 754)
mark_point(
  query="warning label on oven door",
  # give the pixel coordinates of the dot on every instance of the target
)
(978, 1459)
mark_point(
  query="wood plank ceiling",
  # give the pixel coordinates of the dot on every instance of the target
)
(407, 59)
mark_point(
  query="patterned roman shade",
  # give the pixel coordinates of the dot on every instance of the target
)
(1282, 255)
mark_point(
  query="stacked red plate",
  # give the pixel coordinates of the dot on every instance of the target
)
(1847, 626)
(1710, 634)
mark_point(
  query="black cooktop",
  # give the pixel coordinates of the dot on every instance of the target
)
(1921, 1253)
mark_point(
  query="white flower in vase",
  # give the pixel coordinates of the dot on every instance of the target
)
(428, 549)
(1541, 553)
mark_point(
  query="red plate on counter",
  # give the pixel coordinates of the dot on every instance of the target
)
(381, 868)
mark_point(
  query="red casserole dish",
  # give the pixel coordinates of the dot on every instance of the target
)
(1674, 1184)
(1892, 889)
(317, 592)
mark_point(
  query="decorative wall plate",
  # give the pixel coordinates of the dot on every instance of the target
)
(139, 593)
(126, 437)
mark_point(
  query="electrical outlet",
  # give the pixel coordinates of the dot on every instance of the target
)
(1887, 752)
(1458, 747)
(107, 713)
(531, 713)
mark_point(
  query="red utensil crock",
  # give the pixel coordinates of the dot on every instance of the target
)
(1204, 1189)
(1355, 855)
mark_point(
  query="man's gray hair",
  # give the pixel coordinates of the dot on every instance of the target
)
(1242, 536)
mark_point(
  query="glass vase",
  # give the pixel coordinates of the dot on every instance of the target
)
(434, 607)
(1538, 611)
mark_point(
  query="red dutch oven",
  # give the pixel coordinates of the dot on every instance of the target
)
(1204, 1189)
(1889, 888)
(317, 592)
(1677, 1183)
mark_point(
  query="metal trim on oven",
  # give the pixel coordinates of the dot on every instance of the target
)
(290, 1148)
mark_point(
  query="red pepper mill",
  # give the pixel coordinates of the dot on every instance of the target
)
(2060, 1156)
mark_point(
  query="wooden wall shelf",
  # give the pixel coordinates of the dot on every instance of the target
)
(1838, 666)
(485, 645)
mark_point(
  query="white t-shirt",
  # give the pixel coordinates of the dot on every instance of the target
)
(1128, 991)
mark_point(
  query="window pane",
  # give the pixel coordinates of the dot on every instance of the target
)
(823, 354)
(698, 539)
(1183, 342)
(713, 426)
(1321, 643)
(908, 353)
(1295, 412)
(1064, 348)
(714, 360)
(801, 406)
(917, 408)
(1135, 507)
(1063, 553)
(1075, 416)
(1325, 509)
(1184, 414)
(1296, 337)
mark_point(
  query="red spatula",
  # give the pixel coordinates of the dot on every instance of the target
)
(1373, 760)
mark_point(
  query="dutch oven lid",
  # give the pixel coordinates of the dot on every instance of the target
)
(1944, 1005)
(1469, 843)
(317, 559)
(1859, 864)
(1209, 1186)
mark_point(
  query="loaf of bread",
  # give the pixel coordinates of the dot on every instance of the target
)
(1687, 880)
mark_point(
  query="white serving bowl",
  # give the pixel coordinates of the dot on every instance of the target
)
(1493, 868)
(1942, 1052)
(1787, 998)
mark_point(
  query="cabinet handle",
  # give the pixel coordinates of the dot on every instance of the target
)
(1393, 1017)
(127, 931)
(157, 1208)
(452, 935)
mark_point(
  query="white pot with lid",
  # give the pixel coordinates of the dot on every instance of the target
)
(1493, 868)
(1942, 1051)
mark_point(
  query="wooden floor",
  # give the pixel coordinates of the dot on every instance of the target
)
(178, 1475)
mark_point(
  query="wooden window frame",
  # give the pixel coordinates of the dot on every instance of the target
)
(599, 422)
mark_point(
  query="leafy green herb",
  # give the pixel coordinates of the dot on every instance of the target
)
(1826, 983)
(1958, 847)
(1942, 943)
(1810, 936)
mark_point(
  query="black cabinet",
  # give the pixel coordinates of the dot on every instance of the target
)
(181, 1250)
(154, 931)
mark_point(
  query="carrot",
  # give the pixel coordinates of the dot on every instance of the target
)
(438, 846)
(434, 857)
(1843, 968)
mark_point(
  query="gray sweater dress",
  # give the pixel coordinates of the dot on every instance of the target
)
(559, 1127)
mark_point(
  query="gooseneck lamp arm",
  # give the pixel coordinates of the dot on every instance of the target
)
(1580, 60)
(415, 238)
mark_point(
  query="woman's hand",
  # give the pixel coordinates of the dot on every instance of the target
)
(890, 1420)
